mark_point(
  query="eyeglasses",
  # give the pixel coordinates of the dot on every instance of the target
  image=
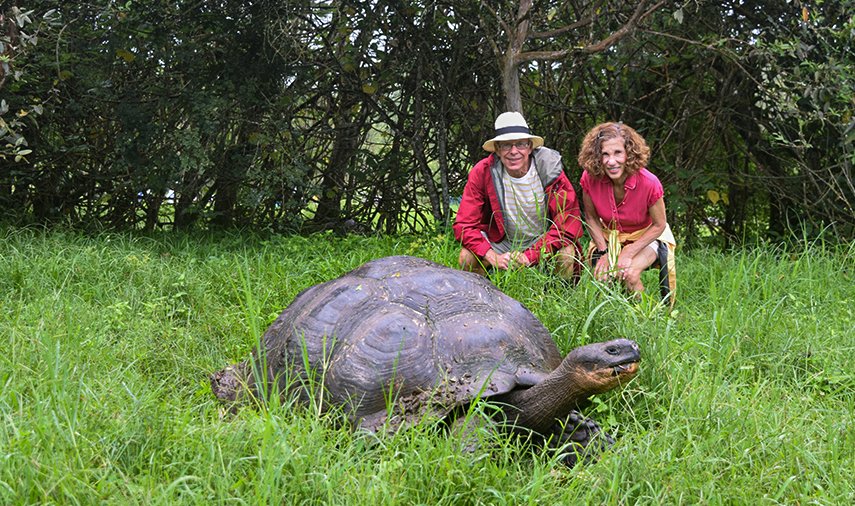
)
(504, 147)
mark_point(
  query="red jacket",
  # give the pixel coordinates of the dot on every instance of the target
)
(481, 207)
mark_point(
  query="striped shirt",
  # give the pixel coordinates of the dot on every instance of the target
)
(525, 214)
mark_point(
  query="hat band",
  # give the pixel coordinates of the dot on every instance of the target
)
(513, 130)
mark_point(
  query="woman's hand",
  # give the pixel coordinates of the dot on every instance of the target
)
(601, 270)
(624, 262)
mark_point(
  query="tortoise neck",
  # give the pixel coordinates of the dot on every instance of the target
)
(538, 407)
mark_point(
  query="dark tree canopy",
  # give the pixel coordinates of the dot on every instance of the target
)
(303, 115)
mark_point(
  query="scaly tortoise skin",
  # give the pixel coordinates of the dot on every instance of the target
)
(438, 338)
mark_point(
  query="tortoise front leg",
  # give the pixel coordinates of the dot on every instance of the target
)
(578, 437)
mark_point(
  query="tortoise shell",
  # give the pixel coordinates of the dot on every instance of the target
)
(408, 325)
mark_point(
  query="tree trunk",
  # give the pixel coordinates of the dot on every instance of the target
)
(419, 150)
(738, 195)
(511, 84)
(348, 135)
(509, 62)
(442, 155)
(153, 202)
(186, 213)
(229, 178)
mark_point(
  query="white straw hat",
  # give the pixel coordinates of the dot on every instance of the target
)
(511, 126)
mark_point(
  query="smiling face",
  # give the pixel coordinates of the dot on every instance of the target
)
(614, 158)
(515, 156)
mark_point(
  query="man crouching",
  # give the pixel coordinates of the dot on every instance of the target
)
(518, 206)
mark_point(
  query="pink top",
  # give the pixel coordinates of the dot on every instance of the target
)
(643, 189)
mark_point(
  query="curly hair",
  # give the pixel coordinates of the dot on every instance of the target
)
(591, 156)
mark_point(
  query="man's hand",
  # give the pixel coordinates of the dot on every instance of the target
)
(501, 262)
(519, 259)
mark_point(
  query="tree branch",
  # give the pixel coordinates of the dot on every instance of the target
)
(637, 17)
(564, 29)
(495, 14)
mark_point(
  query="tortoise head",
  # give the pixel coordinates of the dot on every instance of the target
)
(600, 367)
(228, 384)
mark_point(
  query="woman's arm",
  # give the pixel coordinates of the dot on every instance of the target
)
(595, 228)
(592, 219)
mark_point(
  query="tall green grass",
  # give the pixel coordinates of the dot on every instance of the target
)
(746, 393)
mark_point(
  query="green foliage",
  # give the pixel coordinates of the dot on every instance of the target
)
(20, 31)
(807, 89)
(311, 116)
(744, 394)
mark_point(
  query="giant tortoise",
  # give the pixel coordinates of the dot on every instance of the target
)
(401, 337)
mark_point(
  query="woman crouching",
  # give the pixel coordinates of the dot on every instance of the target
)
(624, 206)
